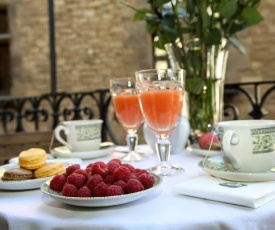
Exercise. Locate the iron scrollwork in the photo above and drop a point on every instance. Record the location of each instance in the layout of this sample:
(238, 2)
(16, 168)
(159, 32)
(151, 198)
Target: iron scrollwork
(54, 108)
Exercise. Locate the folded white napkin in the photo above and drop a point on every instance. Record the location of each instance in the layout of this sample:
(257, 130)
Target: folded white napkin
(251, 195)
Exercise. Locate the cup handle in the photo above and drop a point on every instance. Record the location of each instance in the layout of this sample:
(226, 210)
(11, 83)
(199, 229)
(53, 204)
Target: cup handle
(230, 138)
(57, 131)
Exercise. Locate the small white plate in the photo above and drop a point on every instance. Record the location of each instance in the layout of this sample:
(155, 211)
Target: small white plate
(99, 201)
(22, 184)
(216, 167)
(194, 148)
(65, 152)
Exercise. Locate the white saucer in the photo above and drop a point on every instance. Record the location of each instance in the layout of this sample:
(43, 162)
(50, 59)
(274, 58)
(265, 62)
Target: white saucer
(65, 152)
(194, 148)
(99, 201)
(216, 167)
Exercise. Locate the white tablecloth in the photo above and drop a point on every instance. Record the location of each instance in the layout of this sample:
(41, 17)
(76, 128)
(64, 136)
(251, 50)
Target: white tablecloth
(162, 209)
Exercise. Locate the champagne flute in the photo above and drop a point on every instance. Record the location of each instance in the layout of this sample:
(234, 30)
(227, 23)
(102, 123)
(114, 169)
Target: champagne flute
(128, 112)
(161, 93)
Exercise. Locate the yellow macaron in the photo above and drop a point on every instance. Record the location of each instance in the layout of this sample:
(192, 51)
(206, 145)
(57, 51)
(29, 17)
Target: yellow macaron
(49, 170)
(32, 158)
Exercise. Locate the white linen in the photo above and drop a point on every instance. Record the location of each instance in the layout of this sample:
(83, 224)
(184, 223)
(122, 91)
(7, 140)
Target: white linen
(251, 195)
(163, 209)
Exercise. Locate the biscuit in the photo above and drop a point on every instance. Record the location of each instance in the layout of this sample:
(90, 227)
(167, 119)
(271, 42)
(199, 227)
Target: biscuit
(49, 170)
(17, 174)
(32, 159)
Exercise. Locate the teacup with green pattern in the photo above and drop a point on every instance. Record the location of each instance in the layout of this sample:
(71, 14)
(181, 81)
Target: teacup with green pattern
(248, 145)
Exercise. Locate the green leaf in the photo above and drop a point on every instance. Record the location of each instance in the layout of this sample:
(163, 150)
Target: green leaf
(171, 33)
(140, 15)
(251, 15)
(168, 20)
(213, 37)
(151, 29)
(194, 61)
(152, 20)
(229, 8)
(194, 85)
(159, 3)
(233, 40)
(235, 27)
(160, 42)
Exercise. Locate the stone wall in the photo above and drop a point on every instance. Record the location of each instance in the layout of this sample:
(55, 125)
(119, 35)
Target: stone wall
(97, 40)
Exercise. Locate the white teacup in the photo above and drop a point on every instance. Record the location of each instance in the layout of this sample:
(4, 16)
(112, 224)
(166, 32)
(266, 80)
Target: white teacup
(81, 135)
(248, 145)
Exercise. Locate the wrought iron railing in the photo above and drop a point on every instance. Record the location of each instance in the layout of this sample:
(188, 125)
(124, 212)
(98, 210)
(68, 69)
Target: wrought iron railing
(257, 96)
(46, 111)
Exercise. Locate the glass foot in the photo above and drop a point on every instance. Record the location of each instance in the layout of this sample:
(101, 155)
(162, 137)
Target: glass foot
(166, 170)
(132, 157)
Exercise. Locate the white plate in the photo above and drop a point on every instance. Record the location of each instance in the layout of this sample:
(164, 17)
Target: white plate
(99, 201)
(194, 148)
(65, 152)
(215, 166)
(22, 184)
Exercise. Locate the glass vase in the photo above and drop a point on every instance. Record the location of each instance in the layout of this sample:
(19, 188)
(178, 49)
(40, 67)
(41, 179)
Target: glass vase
(204, 109)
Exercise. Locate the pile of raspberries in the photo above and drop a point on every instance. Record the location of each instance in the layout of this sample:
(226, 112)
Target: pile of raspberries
(101, 179)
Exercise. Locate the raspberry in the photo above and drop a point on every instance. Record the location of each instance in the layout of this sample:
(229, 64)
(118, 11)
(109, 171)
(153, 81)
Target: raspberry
(82, 172)
(100, 189)
(146, 180)
(122, 184)
(89, 171)
(65, 175)
(77, 179)
(58, 182)
(116, 160)
(65, 184)
(100, 168)
(112, 166)
(114, 190)
(122, 173)
(134, 176)
(90, 165)
(93, 181)
(140, 171)
(130, 167)
(84, 192)
(134, 185)
(69, 190)
(70, 169)
(109, 179)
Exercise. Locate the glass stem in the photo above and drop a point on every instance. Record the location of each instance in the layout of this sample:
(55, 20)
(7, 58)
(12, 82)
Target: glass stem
(163, 148)
(132, 141)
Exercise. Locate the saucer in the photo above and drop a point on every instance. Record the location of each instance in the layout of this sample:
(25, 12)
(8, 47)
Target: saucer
(216, 167)
(194, 148)
(65, 152)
